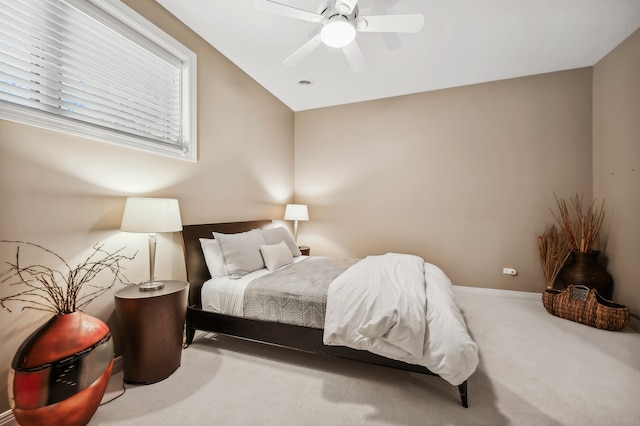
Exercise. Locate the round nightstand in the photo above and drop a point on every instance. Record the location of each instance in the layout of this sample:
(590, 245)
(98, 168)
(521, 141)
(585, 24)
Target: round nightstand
(152, 327)
(304, 250)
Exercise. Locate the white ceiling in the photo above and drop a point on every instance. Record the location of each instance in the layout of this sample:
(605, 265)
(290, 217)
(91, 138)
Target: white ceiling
(462, 42)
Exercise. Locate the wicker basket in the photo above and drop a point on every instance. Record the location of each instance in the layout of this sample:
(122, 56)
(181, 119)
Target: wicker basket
(581, 304)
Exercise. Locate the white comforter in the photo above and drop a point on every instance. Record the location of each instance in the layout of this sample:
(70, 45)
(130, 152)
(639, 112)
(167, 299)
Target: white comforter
(400, 307)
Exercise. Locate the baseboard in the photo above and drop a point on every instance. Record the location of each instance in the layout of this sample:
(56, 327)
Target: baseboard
(496, 292)
(117, 364)
(7, 418)
(634, 323)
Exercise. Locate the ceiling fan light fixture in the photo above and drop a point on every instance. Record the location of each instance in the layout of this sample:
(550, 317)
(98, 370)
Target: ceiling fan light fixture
(338, 33)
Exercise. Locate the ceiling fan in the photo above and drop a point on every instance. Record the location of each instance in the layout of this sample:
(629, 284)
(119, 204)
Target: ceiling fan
(341, 22)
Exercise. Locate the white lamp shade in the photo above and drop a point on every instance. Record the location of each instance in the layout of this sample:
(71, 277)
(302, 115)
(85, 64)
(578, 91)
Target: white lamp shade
(151, 215)
(296, 212)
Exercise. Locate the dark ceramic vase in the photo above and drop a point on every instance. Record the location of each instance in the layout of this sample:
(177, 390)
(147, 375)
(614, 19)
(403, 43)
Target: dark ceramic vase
(61, 371)
(584, 269)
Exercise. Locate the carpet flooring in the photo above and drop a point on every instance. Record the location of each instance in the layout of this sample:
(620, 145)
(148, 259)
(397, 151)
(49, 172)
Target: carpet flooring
(535, 369)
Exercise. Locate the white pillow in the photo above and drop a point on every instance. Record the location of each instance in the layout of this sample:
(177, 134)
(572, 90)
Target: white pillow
(275, 235)
(213, 257)
(241, 252)
(276, 255)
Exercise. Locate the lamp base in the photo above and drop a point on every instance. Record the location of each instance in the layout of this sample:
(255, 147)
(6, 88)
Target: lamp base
(156, 285)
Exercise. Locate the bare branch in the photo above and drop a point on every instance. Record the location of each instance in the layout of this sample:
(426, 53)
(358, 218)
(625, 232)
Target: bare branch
(52, 290)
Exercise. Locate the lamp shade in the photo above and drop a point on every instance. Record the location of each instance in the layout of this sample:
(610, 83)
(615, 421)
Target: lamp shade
(338, 33)
(151, 215)
(296, 212)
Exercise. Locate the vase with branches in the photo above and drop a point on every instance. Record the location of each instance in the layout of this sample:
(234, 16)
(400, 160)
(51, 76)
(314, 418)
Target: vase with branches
(60, 372)
(580, 223)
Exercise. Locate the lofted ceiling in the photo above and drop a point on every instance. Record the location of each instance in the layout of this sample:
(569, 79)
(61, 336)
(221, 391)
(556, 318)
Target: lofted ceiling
(462, 42)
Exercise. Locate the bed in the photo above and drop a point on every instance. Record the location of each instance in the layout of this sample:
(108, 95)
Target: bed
(309, 338)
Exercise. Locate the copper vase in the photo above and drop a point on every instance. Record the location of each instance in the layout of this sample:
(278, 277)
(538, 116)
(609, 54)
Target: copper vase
(61, 371)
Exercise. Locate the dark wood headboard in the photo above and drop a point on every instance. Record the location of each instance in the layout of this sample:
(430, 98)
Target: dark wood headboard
(197, 271)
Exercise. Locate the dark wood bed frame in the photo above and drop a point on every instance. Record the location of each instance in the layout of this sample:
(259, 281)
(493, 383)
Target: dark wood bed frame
(290, 336)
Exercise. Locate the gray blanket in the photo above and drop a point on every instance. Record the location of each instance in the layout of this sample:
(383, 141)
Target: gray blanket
(296, 294)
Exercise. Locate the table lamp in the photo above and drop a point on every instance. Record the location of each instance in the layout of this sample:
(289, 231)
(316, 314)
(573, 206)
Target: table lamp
(296, 212)
(151, 215)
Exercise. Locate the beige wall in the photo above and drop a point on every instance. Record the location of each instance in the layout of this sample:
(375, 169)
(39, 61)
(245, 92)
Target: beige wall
(616, 164)
(68, 193)
(462, 177)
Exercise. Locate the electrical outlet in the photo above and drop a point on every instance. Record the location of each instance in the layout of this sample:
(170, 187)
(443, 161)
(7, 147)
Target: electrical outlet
(509, 271)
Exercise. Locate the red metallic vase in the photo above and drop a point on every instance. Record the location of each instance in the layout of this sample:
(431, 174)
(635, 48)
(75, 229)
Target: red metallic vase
(60, 373)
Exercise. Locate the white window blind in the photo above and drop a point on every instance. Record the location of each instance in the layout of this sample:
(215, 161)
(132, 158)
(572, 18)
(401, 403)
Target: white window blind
(98, 69)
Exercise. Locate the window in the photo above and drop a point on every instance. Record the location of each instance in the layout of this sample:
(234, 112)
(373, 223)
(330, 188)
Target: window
(97, 69)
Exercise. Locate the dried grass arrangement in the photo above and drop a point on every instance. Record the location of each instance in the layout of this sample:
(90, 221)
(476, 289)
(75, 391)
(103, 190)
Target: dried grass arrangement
(580, 226)
(554, 251)
(52, 290)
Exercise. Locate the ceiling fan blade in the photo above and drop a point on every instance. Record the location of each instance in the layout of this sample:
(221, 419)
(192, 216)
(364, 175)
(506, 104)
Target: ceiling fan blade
(303, 51)
(289, 11)
(390, 23)
(354, 56)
